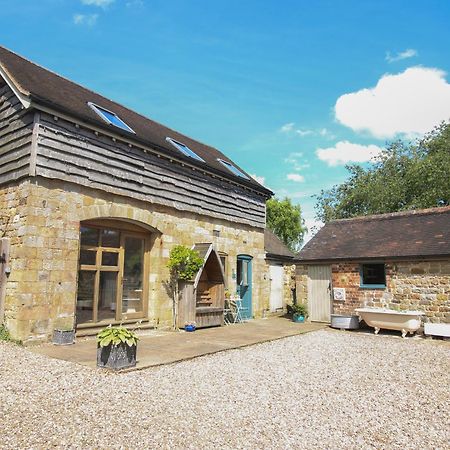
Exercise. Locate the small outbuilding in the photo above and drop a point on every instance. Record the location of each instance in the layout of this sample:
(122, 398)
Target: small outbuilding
(281, 272)
(399, 260)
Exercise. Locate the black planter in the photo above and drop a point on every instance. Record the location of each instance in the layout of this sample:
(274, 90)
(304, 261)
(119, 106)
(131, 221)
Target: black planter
(63, 337)
(116, 357)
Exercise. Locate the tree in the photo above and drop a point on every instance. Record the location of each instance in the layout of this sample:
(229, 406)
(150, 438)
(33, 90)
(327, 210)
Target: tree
(406, 176)
(285, 220)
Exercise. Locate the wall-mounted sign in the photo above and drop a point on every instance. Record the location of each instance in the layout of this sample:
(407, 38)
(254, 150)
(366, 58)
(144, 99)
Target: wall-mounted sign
(339, 294)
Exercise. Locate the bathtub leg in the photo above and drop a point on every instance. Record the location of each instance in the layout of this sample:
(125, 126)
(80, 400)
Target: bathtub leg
(404, 333)
(377, 330)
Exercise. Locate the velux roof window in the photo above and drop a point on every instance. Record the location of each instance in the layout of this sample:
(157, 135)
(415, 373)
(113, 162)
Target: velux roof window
(110, 117)
(184, 149)
(233, 169)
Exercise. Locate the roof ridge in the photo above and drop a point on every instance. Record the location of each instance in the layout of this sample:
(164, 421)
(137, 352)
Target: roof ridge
(172, 130)
(90, 90)
(395, 215)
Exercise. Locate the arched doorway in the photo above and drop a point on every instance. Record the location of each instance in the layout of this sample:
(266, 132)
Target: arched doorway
(113, 263)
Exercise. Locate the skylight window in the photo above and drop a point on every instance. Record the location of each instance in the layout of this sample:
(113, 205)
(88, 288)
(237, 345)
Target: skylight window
(110, 117)
(184, 149)
(233, 169)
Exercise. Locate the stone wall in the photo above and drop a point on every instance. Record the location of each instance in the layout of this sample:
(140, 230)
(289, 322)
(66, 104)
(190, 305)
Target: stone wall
(413, 285)
(44, 232)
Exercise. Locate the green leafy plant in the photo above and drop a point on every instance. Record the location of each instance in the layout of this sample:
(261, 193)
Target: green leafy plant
(4, 334)
(299, 309)
(183, 263)
(116, 336)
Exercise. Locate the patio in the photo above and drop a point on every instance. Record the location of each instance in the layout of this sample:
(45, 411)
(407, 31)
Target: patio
(157, 348)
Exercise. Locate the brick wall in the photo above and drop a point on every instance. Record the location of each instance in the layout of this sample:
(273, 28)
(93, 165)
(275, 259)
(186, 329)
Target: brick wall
(410, 285)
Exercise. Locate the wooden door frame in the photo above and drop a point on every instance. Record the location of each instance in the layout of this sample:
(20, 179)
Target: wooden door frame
(249, 259)
(330, 290)
(98, 268)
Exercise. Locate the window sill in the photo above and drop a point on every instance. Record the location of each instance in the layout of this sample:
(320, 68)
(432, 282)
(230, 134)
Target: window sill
(372, 286)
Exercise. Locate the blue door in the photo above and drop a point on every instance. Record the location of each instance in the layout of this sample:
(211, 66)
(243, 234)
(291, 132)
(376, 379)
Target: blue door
(244, 284)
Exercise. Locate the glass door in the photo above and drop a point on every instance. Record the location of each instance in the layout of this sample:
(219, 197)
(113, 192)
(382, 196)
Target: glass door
(111, 276)
(244, 284)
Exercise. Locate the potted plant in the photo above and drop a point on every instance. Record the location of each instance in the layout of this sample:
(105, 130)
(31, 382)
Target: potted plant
(116, 348)
(299, 312)
(63, 336)
(64, 332)
(183, 263)
(189, 326)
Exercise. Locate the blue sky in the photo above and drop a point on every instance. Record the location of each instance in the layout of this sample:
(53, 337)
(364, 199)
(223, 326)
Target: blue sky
(290, 90)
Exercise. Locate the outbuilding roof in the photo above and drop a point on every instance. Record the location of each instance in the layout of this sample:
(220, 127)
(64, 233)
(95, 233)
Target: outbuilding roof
(45, 88)
(274, 247)
(421, 233)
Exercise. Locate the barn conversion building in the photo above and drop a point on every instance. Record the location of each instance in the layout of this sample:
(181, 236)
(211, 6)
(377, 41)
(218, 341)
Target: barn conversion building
(93, 196)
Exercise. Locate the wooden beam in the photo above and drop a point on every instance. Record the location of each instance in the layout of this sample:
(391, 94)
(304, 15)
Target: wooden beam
(4, 272)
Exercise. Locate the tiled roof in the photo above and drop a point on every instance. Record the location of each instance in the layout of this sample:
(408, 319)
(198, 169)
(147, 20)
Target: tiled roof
(274, 247)
(46, 88)
(422, 233)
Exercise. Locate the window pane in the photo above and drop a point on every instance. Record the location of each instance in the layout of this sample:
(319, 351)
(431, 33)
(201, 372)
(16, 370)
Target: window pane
(88, 257)
(132, 299)
(223, 261)
(89, 236)
(373, 274)
(245, 273)
(110, 259)
(110, 238)
(85, 296)
(107, 296)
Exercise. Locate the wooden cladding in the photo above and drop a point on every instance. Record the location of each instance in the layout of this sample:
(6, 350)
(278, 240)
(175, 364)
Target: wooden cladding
(16, 127)
(73, 154)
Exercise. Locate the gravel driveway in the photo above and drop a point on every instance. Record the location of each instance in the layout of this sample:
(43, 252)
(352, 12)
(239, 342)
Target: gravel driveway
(326, 389)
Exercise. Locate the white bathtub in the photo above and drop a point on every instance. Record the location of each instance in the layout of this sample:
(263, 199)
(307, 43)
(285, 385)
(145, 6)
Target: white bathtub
(389, 319)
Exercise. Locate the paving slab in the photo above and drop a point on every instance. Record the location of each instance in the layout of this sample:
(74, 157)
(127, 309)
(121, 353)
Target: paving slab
(156, 348)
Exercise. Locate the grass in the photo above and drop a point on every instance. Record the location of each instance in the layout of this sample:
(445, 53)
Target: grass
(6, 336)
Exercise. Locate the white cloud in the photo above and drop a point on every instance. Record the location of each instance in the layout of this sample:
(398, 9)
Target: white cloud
(293, 160)
(85, 19)
(408, 53)
(286, 128)
(304, 132)
(409, 103)
(290, 128)
(260, 180)
(295, 177)
(100, 3)
(344, 152)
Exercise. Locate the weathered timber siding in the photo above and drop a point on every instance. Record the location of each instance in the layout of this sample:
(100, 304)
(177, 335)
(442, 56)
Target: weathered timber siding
(16, 127)
(78, 155)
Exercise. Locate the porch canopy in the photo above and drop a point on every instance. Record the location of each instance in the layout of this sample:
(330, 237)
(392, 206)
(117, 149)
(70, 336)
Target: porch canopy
(203, 300)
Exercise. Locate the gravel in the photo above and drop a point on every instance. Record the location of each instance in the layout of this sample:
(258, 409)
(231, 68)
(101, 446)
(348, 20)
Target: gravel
(326, 389)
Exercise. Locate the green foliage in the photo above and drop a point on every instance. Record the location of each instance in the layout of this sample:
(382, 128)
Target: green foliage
(184, 262)
(406, 176)
(285, 220)
(116, 336)
(299, 309)
(4, 334)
